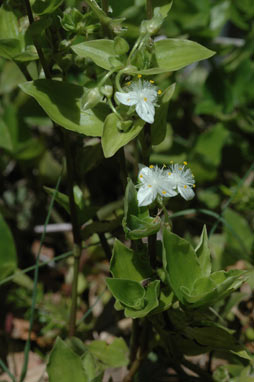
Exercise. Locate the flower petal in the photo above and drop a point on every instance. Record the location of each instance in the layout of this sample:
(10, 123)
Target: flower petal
(146, 195)
(145, 111)
(166, 190)
(186, 192)
(128, 99)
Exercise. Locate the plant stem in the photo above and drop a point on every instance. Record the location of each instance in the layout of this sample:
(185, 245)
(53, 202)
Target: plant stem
(37, 46)
(138, 353)
(149, 9)
(104, 5)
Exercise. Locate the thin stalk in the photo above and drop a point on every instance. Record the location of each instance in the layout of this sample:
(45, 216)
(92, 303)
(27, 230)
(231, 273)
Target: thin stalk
(149, 9)
(24, 70)
(29, 269)
(140, 353)
(134, 342)
(7, 371)
(36, 276)
(152, 249)
(37, 46)
(89, 311)
(104, 5)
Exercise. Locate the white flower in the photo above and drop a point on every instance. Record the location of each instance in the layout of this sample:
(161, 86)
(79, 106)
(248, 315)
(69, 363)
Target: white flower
(153, 182)
(182, 180)
(143, 94)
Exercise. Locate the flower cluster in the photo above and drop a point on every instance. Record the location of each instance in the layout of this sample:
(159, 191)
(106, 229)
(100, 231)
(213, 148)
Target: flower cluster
(143, 95)
(166, 182)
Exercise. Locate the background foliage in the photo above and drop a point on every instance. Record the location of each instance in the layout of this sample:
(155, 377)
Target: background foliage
(206, 118)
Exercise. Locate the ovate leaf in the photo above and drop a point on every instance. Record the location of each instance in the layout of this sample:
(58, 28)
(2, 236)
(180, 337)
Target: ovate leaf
(130, 293)
(113, 139)
(61, 101)
(180, 263)
(111, 355)
(158, 128)
(102, 52)
(64, 365)
(151, 301)
(127, 264)
(203, 253)
(174, 54)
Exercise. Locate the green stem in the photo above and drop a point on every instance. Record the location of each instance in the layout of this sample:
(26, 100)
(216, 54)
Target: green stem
(135, 46)
(7, 371)
(149, 9)
(37, 46)
(104, 5)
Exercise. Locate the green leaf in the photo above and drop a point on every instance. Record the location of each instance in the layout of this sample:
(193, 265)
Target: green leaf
(61, 101)
(8, 257)
(128, 292)
(164, 7)
(64, 364)
(158, 128)
(208, 290)
(165, 300)
(203, 253)
(113, 139)
(112, 355)
(42, 7)
(239, 236)
(61, 199)
(151, 301)
(137, 222)
(102, 53)
(129, 265)
(174, 54)
(180, 262)
(5, 137)
(207, 152)
(9, 48)
(216, 338)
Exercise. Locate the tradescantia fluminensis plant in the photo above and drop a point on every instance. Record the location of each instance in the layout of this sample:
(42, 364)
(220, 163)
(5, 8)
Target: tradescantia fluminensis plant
(158, 279)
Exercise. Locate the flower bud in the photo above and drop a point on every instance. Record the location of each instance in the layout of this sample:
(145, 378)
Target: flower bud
(107, 90)
(91, 99)
(121, 46)
(124, 126)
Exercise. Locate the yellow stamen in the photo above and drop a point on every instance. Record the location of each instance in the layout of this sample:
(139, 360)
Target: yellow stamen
(151, 166)
(180, 168)
(149, 185)
(128, 99)
(151, 81)
(185, 186)
(164, 192)
(139, 75)
(159, 92)
(141, 176)
(185, 163)
(194, 186)
(128, 83)
(169, 173)
(145, 99)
